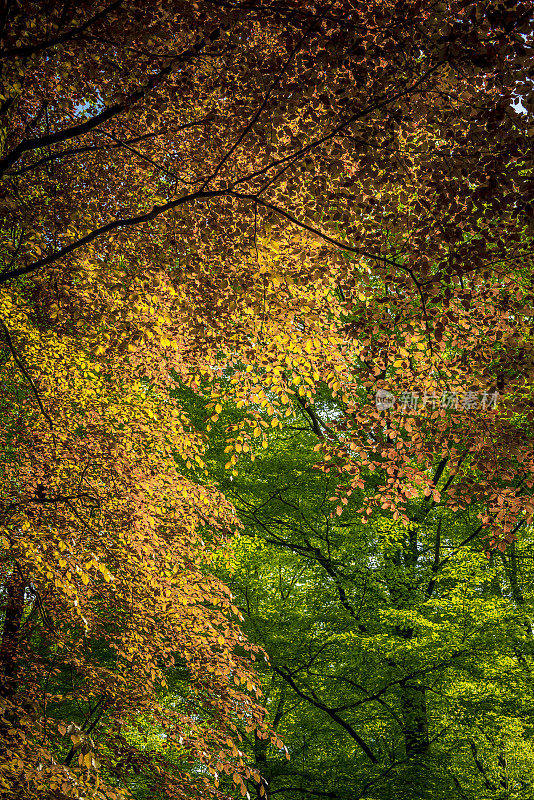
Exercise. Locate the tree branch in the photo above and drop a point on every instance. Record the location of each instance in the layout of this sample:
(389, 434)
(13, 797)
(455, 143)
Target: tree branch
(25, 372)
(255, 198)
(110, 226)
(93, 122)
(330, 712)
(27, 50)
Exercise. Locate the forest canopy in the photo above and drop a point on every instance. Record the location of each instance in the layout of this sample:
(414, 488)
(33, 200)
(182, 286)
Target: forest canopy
(267, 479)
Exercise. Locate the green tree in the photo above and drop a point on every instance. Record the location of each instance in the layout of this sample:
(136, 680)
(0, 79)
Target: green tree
(401, 657)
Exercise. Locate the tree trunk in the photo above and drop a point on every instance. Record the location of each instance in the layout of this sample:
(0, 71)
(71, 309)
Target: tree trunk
(412, 695)
(260, 757)
(414, 713)
(10, 637)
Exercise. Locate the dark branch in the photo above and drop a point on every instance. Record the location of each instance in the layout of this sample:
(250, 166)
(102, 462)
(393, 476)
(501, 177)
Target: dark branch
(30, 49)
(108, 228)
(26, 374)
(330, 712)
(112, 111)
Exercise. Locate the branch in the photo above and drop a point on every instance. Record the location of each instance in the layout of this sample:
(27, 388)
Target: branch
(110, 226)
(28, 49)
(436, 562)
(26, 374)
(480, 767)
(316, 232)
(75, 747)
(142, 156)
(112, 111)
(316, 426)
(92, 148)
(380, 104)
(257, 115)
(459, 788)
(305, 791)
(331, 713)
(439, 471)
(400, 682)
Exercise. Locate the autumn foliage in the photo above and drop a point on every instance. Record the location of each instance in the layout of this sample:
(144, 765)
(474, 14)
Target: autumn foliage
(111, 580)
(312, 197)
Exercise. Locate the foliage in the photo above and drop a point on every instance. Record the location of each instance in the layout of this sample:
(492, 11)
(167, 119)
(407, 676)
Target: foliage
(118, 642)
(277, 203)
(400, 658)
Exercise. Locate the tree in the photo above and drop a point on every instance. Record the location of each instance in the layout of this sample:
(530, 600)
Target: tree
(118, 648)
(400, 658)
(180, 185)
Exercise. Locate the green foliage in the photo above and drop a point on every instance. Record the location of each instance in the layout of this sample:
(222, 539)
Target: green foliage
(400, 657)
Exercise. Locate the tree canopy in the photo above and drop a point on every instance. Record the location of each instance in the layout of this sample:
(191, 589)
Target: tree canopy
(400, 656)
(217, 216)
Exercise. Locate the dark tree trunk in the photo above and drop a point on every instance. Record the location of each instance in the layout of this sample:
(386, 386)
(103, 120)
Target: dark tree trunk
(401, 586)
(414, 713)
(10, 637)
(260, 757)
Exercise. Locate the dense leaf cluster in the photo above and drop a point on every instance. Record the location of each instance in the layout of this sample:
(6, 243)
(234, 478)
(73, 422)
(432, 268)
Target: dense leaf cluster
(223, 223)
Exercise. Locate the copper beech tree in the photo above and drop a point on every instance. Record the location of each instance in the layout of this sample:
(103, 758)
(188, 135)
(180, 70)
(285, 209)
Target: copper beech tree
(332, 196)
